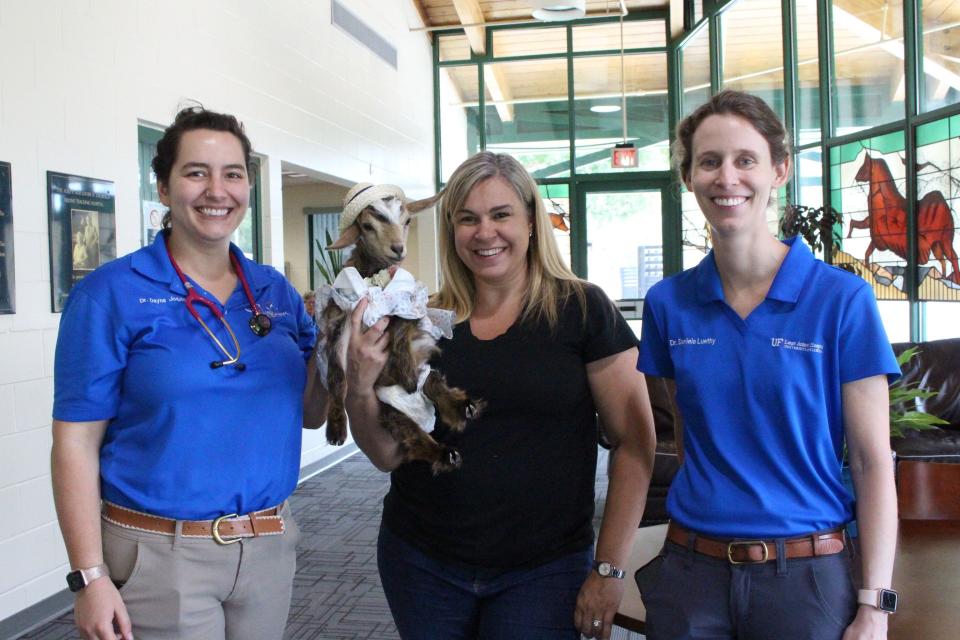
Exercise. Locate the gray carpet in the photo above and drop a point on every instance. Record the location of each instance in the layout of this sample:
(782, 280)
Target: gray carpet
(336, 592)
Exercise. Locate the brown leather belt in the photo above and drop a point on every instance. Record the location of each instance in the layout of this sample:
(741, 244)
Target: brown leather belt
(757, 551)
(226, 529)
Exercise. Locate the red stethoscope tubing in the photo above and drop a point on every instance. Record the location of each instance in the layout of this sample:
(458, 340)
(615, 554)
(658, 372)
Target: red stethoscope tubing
(193, 296)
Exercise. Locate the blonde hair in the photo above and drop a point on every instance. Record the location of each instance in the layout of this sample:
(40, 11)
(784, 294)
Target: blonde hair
(549, 281)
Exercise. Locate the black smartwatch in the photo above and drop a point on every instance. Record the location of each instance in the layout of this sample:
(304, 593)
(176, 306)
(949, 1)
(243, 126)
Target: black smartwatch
(77, 580)
(883, 599)
(607, 569)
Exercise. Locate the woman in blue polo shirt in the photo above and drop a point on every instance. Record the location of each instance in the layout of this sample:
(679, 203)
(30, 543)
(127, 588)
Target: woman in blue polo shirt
(779, 359)
(179, 378)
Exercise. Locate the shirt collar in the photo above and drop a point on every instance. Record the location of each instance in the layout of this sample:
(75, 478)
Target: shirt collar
(154, 263)
(786, 285)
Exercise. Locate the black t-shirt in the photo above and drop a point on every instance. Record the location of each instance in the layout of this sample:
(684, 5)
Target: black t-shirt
(524, 495)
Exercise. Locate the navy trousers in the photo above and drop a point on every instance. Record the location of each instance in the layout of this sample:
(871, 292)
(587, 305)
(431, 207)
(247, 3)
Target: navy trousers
(433, 600)
(692, 596)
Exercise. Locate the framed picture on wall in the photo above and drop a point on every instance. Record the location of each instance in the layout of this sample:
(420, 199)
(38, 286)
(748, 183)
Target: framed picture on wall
(82, 221)
(7, 281)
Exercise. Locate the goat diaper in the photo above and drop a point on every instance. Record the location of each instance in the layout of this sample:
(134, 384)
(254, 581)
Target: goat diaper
(417, 406)
(403, 297)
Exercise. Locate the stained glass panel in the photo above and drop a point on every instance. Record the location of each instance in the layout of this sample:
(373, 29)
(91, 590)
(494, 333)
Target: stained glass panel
(867, 182)
(938, 203)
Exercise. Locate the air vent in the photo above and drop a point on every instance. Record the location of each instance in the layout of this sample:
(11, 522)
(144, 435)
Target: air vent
(359, 31)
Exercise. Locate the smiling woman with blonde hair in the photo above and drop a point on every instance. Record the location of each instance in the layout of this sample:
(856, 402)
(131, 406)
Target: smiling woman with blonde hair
(502, 548)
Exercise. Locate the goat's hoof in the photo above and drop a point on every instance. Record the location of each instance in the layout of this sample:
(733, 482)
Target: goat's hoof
(474, 408)
(450, 460)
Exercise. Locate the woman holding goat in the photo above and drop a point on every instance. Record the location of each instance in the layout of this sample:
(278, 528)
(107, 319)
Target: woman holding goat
(502, 547)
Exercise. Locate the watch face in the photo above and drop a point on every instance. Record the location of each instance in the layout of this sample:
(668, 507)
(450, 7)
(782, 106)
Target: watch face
(888, 600)
(604, 569)
(75, 581)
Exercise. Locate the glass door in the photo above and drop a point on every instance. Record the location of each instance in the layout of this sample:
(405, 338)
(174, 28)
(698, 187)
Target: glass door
(624, 249)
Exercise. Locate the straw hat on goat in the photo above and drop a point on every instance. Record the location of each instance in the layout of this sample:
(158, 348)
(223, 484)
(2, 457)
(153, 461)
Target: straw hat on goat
(362, 195)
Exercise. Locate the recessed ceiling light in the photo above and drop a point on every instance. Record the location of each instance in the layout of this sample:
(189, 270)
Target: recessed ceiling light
(605, 108)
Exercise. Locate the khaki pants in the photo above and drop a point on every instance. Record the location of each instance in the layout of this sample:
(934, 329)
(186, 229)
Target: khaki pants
(180, 588)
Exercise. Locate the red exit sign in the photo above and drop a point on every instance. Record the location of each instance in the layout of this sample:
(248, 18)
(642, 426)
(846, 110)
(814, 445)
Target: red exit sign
(624, 156)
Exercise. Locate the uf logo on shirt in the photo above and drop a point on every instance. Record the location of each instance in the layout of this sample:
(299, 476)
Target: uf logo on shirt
(776, 342)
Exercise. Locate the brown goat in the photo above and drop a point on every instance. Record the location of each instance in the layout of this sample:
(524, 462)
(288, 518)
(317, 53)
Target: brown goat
(377, 225)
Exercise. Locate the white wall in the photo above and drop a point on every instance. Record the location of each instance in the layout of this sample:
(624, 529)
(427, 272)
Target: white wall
(76, 78)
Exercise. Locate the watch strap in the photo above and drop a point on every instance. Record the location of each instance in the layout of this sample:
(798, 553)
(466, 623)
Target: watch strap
(875, 598)
(80, 578)
(608, 569)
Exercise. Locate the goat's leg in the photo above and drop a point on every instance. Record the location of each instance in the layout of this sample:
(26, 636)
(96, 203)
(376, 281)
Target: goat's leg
(401, 367)
(416, 443)
(337, 414)
(334, 322)
(453, 404)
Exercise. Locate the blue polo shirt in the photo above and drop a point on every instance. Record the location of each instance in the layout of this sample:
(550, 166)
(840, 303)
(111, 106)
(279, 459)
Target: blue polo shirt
(184, 441)
(761, 398)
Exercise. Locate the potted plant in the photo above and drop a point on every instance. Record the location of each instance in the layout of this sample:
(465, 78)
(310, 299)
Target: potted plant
(329, 261)
(820, 227)
(906, 413)
(906, 402)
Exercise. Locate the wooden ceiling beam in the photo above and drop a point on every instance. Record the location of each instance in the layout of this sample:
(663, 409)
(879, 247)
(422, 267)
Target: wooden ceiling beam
(424, 18)
(469, 12)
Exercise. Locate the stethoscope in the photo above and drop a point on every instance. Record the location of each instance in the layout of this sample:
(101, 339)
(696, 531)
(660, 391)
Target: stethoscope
(259, 322)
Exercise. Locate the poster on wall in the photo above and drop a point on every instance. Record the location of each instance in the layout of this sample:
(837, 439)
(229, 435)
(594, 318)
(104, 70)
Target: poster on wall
(7, 300)
(82, 213)
(151, 221)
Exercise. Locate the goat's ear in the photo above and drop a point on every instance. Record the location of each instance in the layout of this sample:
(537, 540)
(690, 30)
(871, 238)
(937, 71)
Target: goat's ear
(347, 238)
(416, 206)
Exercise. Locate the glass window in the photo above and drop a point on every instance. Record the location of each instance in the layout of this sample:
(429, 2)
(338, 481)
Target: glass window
(752, 46)
(556, 198)
(599, 120)
(151, 209)
(938, 204)
(695, 71)
(895, 316)
(459, 116)
(637, 34)
(624, 242)
(694, 231)
(527, 114)
(454, 47)
(867, 180)
(868, 83)
(529, 42)
(940, 63)
(808, 73)
(940, 320)
(809, 187)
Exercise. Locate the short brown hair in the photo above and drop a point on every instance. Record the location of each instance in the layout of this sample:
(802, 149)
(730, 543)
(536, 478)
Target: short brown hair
(737, 103)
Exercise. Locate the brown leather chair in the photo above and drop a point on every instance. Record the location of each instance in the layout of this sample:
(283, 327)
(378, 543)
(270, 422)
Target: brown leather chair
(928, 490)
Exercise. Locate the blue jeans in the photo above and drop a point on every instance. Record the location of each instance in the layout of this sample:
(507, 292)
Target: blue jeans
(434, 600)
(692, 596)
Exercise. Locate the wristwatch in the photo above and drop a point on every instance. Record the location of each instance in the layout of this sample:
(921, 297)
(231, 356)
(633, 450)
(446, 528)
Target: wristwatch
(607, 569)
(883, 599)
(80, 578)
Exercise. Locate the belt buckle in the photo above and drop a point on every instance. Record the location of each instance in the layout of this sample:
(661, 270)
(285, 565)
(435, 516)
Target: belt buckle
(747, 543)
(216, 530)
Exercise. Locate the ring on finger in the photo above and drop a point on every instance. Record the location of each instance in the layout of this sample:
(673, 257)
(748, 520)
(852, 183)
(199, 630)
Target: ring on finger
(597, 623)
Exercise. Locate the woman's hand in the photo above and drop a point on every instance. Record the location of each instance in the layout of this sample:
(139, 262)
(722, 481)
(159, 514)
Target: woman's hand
(100, 613)
(598, 599)
(366, 356)
(366, 353)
